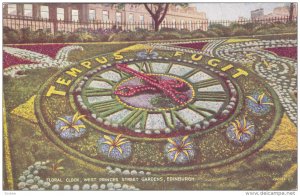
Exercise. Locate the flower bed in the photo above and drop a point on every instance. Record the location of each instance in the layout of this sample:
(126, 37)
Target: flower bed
(193, 45)
(47, 49)
(289, 52)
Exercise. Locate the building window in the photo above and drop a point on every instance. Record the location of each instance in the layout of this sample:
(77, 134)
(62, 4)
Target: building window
(105, 15)
(174, 23)
(130, 18)
(92, 14)
(60, 14)
(142, 19)
(182, 24)
(28, 10)
(75, 15)
(45, 12)
(12, 9)
(118, 17)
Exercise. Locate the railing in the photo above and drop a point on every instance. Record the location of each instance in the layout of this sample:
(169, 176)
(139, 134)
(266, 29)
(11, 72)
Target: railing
(15, 22)
(266, 20)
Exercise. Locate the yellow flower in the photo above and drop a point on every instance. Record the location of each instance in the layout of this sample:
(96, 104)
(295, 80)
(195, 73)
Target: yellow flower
(115, 143)
(72, 124)
(149, 50)
(240, 129)
(182, 147)
(259, 99)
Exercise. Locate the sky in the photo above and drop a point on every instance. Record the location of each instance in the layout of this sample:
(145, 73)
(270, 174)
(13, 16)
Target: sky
(231, 11)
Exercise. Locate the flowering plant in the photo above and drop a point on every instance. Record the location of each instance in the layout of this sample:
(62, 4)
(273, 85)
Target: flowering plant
(115, 147)
(259, 104)
(240, 131)
(179, 150)
(70, 127)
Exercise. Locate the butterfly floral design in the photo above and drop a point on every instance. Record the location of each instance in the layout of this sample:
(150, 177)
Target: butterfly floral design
(39, 60)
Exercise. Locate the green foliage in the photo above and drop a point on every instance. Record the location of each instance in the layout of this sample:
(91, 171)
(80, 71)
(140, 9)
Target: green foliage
(161, 101)
(11, 35)
(239, 31)
(26, 35)
(120, 37)
(86, 37)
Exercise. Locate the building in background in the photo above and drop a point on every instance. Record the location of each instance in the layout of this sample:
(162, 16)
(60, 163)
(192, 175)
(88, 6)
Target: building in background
(130, 17)
(257, 13)
(278, 12)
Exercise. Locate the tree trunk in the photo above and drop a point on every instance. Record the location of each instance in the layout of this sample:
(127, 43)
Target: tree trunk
(156, 26)
(158, 15)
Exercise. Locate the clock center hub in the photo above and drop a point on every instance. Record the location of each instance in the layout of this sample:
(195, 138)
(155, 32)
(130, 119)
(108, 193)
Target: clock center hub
(173, 92)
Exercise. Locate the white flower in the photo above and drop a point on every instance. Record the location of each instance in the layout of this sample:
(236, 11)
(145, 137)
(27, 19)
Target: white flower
(40, 60)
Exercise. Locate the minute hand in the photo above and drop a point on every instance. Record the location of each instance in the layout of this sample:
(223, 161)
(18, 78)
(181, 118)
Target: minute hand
(168, 90)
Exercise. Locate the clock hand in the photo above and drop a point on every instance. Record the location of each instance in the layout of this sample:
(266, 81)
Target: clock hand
(168, 86)
(128, 91)
(173, 83)
(125, 68)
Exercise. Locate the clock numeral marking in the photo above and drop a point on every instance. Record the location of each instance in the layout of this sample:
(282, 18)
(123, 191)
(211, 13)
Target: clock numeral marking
(139, 65)
(99, 78)
(169, 122)
(144, 119)
(206, 83)
(202, 111)
(135, 117)
(122, 74)
(189, 74)
(107, 108)
(218, 96)
(175, 115)
(97, 92)
(147, 68)
(169, 68)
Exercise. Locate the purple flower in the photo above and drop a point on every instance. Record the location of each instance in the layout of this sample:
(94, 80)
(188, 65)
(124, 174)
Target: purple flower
(70, 127)
(147, 54)
(114, 147)
(259, 104)
(240, 131)
(180, 150)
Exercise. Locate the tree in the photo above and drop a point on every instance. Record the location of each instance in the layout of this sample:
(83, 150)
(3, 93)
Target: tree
(158, 11)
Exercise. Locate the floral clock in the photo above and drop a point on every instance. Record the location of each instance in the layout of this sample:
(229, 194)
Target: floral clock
(157, 111)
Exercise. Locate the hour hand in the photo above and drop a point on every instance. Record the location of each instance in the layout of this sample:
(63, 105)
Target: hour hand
(128, 91)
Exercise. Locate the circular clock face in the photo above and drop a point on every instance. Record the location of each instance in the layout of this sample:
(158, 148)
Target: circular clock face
(160, 111)
(125, 101)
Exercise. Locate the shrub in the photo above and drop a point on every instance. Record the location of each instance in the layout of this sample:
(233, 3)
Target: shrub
(73, 37)
(11, 35)
(86, 37)
(171, 35)
(211, 33)
(140, 35)
(220, 30)
(198, 35)
(42, 35)
(186, 36)
(101, 37)
(165, 29)
(122, 36)
(60, 37)
(240, 31)
(26, 35)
